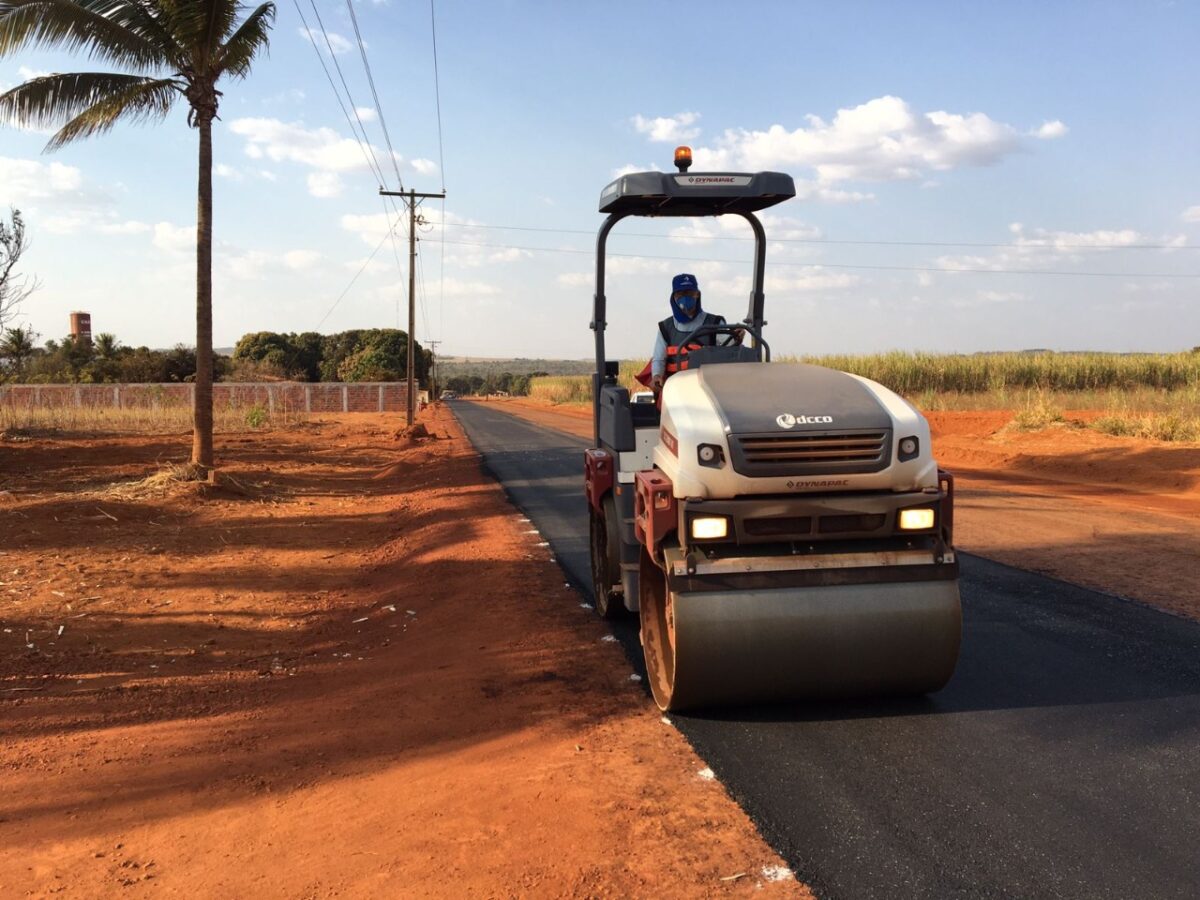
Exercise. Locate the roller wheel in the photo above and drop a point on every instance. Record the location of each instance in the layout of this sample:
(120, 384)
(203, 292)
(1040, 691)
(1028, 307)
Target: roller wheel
(606, 561)
(657, 631)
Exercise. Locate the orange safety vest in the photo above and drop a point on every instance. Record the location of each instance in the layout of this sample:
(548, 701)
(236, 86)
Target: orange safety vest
(678, 346)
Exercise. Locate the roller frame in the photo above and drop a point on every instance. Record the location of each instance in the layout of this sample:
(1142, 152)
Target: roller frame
(798, 612)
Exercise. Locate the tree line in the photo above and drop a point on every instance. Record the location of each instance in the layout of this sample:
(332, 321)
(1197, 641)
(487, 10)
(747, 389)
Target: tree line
(506, 382)
(372, 354)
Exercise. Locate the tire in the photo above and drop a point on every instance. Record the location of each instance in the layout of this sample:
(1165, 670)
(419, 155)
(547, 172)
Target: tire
(606, 561)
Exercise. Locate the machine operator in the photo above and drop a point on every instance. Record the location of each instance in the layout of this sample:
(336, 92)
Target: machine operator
(673, 331)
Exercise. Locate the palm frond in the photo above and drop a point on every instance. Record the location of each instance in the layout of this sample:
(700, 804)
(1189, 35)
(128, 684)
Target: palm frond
(200, 28)
(150, 98)
(116, 31)
(245, 43)
(55, 99)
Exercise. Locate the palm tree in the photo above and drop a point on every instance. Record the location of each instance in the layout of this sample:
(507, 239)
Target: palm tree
(168, 49)
(106, 346)
(17, 346)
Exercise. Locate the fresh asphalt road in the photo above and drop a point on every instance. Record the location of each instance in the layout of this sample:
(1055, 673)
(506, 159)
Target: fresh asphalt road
(1062, 760)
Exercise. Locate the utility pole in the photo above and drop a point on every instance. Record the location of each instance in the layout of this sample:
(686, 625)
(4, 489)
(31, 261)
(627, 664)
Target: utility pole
(411, 196)
(433, 390)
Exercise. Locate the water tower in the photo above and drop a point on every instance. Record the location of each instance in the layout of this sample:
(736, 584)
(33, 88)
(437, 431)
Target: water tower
(81, 327)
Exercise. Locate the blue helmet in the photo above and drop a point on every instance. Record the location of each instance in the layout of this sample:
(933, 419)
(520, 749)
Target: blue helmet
(685, 297)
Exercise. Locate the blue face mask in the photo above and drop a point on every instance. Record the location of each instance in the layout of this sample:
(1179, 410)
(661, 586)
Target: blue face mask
(685, 306)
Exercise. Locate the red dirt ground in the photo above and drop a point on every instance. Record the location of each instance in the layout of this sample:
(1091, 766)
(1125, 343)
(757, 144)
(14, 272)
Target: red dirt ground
(1120, 515)
(349, 670)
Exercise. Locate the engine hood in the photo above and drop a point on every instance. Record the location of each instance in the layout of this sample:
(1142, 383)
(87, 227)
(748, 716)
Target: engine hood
(765, 398)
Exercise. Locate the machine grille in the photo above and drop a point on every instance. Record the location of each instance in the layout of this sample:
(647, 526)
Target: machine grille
(811, 453)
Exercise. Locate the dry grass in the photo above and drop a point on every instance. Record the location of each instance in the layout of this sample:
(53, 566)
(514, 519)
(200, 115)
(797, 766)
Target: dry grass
(912, 374)
(1152, 427)
(1038, 415)
(164, 482)
(1154, 396)
(162, 419)
(559, 389)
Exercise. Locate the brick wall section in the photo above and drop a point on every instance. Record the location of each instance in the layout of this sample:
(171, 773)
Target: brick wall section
(282, 395)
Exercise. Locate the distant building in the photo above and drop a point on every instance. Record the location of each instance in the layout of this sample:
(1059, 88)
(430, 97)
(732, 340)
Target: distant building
(81, 327)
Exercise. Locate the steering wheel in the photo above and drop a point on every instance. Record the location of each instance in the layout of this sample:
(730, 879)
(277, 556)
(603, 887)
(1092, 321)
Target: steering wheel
(732, 330)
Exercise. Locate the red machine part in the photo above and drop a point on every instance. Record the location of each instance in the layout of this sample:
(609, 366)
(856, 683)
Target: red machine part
(597, 476)
(654, 512)
(946, 512)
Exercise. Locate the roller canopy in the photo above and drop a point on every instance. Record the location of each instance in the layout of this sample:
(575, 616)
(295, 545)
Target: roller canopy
(695, 193)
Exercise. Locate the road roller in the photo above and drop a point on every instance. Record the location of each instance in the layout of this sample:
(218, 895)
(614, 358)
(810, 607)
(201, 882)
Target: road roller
(781, 530)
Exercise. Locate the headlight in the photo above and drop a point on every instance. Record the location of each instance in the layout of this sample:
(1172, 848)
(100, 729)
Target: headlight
(710, 455)
(710, 528)
(916, 519)
(909, 448)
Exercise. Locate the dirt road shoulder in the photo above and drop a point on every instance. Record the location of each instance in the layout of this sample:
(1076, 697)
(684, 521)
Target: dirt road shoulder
(352, 671)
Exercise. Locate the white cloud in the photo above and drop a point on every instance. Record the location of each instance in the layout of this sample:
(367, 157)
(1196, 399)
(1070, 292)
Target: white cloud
(638, 265)
(324, 184)
(457, 287)
(130, 227)
(884, 139)
(783, 281)
(338, 43)
(1146, 287)
(234, 173)
(509, 254)
(576, 279)
(778, 228)
(815, 190)
(291, 95)
(366, 113)
(247, 265)
(1065, 241)
(23, 181)
(368, 266)
(668, 129)
(323, 149)
(59, 199)
(810, 278)
(1041, 248)
(301, 259)
(371, 228)
(1048, 131)
(27, 74)
(1191, 215)
(1001, 296)
(319, 148)
(174, 238)
(630, 168)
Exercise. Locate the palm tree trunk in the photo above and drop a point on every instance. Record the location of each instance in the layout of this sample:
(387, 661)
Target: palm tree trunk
(202, 410)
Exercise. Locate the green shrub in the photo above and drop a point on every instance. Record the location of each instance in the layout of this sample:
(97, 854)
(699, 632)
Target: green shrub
(257, 416)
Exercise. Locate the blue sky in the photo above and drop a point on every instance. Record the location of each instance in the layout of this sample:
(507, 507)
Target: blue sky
(1062, 137)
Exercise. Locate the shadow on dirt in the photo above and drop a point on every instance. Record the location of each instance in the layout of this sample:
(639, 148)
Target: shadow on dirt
(218, 672)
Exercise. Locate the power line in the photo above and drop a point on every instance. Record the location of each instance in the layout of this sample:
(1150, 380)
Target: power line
(825, 265)
(421, 291)
(349, 96)
(362, 268)
(437, 93)
(365, 147)
(730, 237)
(363, 142)
(362, 50)
(442, 274)
(395, 252)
